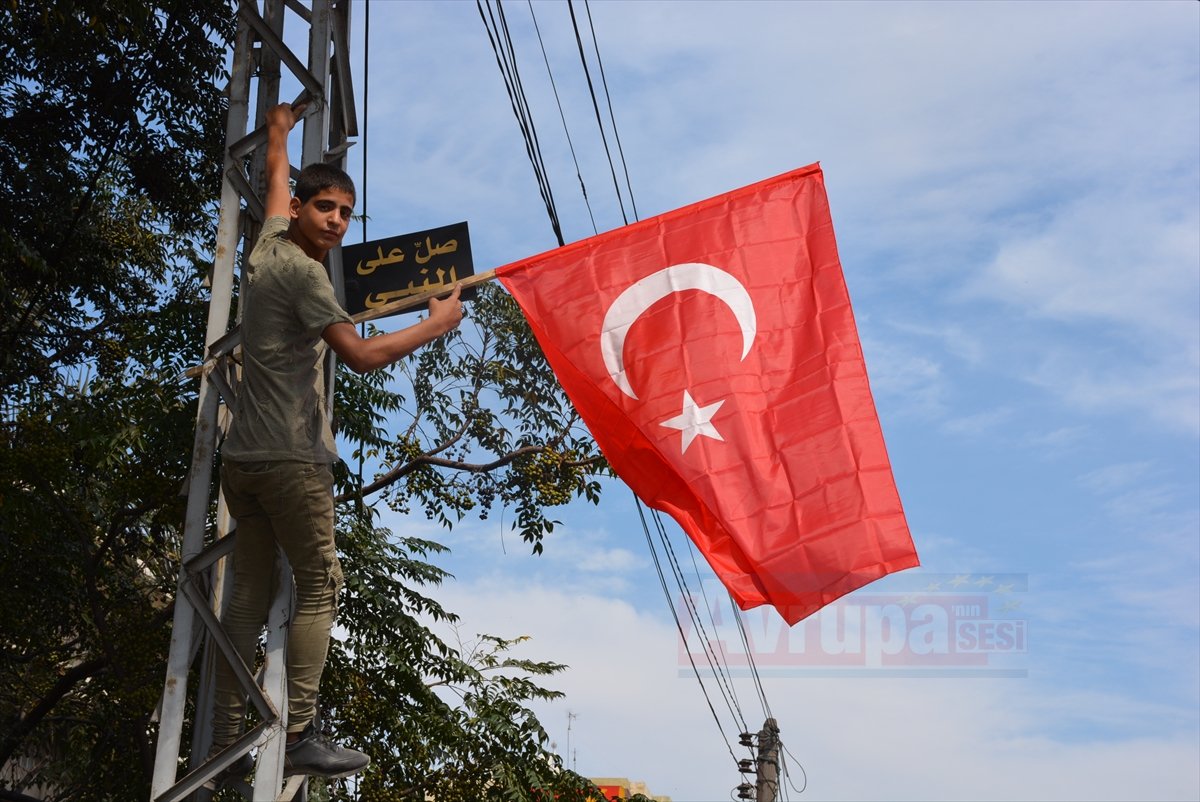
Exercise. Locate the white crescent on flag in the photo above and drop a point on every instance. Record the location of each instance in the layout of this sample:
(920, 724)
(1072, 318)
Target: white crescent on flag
(644, 293)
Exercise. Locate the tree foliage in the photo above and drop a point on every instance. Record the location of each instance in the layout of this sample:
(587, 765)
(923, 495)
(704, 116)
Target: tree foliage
(110, 130)
(487, 424)
(111, 120)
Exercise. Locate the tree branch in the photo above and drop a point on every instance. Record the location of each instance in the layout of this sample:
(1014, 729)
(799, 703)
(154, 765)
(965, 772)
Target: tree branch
(400, 471)
(66, 682)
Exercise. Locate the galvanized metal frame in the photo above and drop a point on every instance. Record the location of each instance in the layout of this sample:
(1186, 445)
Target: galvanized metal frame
(259, 51)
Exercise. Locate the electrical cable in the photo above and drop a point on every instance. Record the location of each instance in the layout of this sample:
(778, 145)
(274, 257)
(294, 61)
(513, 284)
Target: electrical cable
(525, 120)
(537, 148)
(698, 628)
(612, 117)
(570, 144)
(723, 675)
(723, 683)
(788, 774)
(366, 118)
(502, 46)
(709, 607)
(596, 105)
(506, 62)
(679, 626)
(762, 695)
(366, 106)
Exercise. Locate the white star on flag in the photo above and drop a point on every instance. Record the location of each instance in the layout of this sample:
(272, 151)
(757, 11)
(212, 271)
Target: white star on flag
(694, 421)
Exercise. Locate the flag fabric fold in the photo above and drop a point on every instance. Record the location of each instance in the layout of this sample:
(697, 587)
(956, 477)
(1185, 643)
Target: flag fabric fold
(712, 353)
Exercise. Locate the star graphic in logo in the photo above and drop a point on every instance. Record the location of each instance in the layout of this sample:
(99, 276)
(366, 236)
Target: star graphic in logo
(694, 421)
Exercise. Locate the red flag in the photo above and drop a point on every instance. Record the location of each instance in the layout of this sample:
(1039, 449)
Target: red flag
(713, 355)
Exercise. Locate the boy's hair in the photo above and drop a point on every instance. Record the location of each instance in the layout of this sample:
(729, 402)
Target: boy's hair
(318, 176)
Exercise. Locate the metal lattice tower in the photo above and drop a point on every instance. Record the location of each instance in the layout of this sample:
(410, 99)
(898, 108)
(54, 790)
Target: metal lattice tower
(258, 57)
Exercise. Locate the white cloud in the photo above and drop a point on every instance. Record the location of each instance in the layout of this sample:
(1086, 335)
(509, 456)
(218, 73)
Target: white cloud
(977, 424)
(1163, 387)
(1139, 573)
(1129, 266)
(952, 337)
(908, 381)
(1122, 261)
(1114, 477)
(1057, 442)
(961, 739)
(1035, 162)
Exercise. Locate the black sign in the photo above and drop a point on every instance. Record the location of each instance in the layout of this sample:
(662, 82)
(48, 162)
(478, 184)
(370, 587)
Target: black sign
(385, 270)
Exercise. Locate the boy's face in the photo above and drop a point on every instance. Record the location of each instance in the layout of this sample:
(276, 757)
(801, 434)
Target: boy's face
(320, 224)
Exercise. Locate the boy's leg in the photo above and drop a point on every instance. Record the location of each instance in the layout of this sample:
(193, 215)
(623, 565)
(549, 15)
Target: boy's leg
(302, 519)
(253, 574)
(298, 500)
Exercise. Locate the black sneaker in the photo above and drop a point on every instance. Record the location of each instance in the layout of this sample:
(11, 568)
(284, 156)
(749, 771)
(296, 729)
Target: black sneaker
(237, 771)
(318, 756)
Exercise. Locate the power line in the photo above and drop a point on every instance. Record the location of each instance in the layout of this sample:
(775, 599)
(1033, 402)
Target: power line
(563, 116)
(501, 41)
(723, 683)
(788, 774)
(612, 117)
(679, 626)
(362, 458)
(366, 106)
(596, 105)
(531, 134)
(709, 607)
(502, 47)
(762, 696)
(719, 667)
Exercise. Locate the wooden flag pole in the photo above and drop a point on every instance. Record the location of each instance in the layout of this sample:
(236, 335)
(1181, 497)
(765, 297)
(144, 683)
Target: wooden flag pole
(417, 300)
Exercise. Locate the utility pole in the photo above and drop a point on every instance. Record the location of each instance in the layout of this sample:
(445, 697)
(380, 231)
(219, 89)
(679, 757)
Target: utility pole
(259, 52)
(768, 761)
(570, 719)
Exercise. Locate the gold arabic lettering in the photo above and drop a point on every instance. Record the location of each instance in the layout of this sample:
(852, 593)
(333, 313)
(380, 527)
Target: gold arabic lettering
(445, 281)
(395, 255)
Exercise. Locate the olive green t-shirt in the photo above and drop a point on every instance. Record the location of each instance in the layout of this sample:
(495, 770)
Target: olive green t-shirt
(287, 301)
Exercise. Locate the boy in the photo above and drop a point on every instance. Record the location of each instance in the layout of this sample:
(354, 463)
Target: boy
(276, 462)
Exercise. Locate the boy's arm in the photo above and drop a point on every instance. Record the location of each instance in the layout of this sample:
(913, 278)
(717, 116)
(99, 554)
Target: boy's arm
(363, 355)
(280, 121)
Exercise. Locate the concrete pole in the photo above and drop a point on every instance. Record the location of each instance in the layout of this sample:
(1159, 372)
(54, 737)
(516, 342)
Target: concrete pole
(768, 762)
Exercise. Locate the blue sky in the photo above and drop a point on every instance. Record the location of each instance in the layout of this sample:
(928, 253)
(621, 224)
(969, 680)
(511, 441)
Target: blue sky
(1016, 193)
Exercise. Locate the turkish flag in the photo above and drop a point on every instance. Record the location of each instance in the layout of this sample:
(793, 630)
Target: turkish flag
(712, 353)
